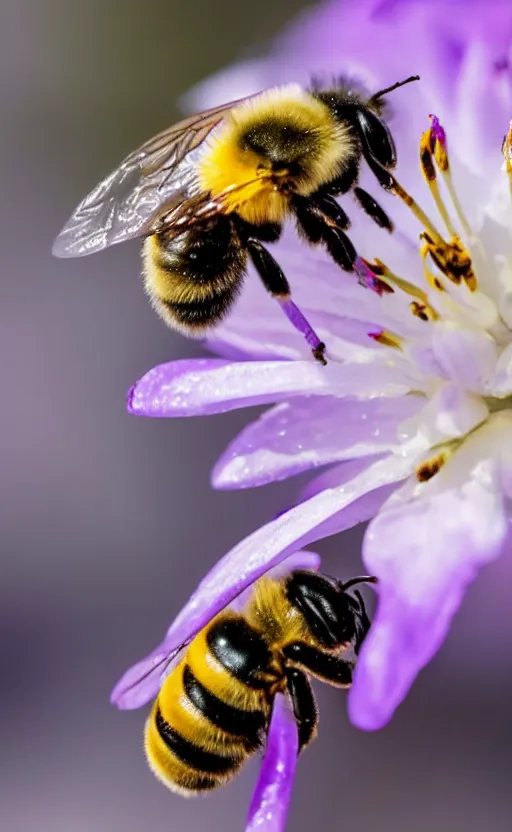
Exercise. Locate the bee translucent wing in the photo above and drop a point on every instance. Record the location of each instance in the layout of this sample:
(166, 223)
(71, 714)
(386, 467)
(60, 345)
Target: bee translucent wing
(149, 184)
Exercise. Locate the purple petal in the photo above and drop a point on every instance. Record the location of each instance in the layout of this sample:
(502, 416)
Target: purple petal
(249, 560)
(202, 386)
(269, 805)
(142, 681)
(425, 553)
(307, 433)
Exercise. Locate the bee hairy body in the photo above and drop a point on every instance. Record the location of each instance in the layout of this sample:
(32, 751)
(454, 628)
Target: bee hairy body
(214, 707)
(192, 280)
(204, 192)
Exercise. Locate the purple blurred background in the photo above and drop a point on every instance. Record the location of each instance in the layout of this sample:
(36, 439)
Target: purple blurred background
(108, 521)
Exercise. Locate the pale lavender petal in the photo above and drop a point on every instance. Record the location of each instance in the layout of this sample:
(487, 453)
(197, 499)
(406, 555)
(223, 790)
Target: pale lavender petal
(251, 558)
(307, 433)
(142, 681)
(425, 553)
(192, 387)
(271, 798)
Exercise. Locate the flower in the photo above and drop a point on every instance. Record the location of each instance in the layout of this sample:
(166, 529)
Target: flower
(230, 583)
(413, 412)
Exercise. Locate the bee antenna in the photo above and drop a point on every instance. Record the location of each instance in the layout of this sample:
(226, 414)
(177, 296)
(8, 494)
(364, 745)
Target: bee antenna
(362, 579)
(381, 93)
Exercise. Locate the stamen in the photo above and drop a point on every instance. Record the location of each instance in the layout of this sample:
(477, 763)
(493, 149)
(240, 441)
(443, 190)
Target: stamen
(440, 150)
(506, 149)
(429, 172)
(411, 203)
(387, 338)
(379, 268)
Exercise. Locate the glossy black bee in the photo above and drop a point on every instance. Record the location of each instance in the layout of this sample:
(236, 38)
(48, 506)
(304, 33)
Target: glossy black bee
(214, 707)
(209, 192)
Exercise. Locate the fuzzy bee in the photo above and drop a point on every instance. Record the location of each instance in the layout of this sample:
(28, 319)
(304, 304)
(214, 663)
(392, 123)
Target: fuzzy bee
(209, 193)
(213, 709)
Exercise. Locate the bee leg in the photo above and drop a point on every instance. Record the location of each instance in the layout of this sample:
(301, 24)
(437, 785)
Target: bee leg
(371, 207)
(276, 283)
(330, 667)
(345, 181)
(304, 705)
(321, 220)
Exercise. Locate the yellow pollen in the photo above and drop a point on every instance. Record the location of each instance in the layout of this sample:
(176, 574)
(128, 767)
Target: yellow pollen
(452, 259)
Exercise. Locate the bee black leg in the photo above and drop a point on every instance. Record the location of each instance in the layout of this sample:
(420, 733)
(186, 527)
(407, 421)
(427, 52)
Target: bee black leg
(373, 209)
(321, 220)
(276, 283)
(330, 667)
(304, 705)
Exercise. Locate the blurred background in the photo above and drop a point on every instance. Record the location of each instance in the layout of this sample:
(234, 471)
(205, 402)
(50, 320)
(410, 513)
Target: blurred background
(108, 521)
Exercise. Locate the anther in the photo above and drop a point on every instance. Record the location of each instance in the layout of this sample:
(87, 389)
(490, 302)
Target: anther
(423, 311)
(427, 148)
(451, 259)
(440, 150)
(386, 338)
(438, 144)
(506, 149)
(430, 467)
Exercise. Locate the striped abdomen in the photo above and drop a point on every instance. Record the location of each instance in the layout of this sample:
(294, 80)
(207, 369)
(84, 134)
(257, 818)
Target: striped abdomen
(213, 708)
(192, 280)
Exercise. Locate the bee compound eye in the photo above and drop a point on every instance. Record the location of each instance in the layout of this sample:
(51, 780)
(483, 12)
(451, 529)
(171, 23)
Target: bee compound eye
(377, 138)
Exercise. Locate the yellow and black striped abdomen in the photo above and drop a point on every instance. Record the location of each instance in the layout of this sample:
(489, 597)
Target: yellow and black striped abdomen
(193, 279)
(213, 708)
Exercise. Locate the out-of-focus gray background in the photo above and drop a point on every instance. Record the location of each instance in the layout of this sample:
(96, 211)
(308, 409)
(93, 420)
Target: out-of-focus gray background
(108, 521)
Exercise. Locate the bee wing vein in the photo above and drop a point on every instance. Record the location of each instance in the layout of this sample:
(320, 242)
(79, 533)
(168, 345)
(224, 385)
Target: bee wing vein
(154, 187)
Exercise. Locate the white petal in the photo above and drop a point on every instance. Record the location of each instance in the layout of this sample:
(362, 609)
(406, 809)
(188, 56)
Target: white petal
(307, 433)
(467, 355)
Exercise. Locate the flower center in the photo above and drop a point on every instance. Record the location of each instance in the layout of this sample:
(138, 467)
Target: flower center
(466, 342)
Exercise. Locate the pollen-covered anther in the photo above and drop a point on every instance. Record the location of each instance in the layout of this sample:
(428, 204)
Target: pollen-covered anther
(387, 338)
(423, 311)
(506, 149)
(430, 467)
(452, 259)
